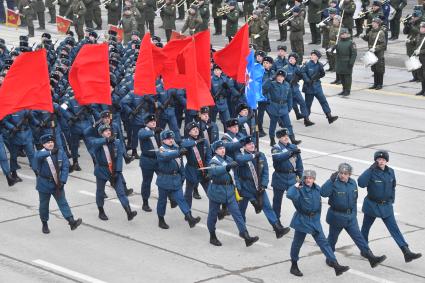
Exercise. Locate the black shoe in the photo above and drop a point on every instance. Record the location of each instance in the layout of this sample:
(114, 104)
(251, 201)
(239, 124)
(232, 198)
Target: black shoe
(336, 82)
(45, 228)
(420, 93)
(52, 22)
(378, 87)
(307, 122)
(128, 191)
(15, 176)
(293, 140)
(272, 141)
(161, 223)
(196, 194)
(280, 230)
(248, 239)
(311, 43)
(357, 34)
(298, 115)
(340, 93)
(373, 260)
(134, 154)
(128, 158)
(10, 180)
(262, 133)
(102, 214)
(330, 70)
(146, 206)
(76, 166)
(213, 240)
(130, 214)
(331, 118)
(408, 255)
(192, 220)
(339, 269)
(372, 87)
(346, 93)
(173, 203)
(295, 270)
(74, 223)
(413, 80)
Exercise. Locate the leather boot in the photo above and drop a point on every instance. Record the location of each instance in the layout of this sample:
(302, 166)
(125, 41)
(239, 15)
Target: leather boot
(262, 133)
(280, 230)
(375, 81)
(15, 176)
(380, 81)
(256, 206)
(196, 194)
(293, 140)
(272, 141)
(146, 206)
(307, 122)
(248, 239)
(223, 212)
(161, 223)
(102, 214)
(297, 112)
(130, 214)
(127, 191)
(408, 255)
(192, 220)
(128, 158)
(173, 203)
(331, 118)
(45, 228)
(295, 270)
(74, 223)
(135, 154)
(373, 260)
(213, 240)
(339, 269)
(75, 165)
(10, 180)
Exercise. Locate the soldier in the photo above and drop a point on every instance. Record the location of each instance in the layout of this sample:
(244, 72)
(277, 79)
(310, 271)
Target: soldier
(97, 14)
(51, 165)
(280, 10)
(268, 77)
(149, 13)
(198, 156)
(52, 11)
(280, 105)
(27, 10)
(330, 47)
(252, 180)
(360, 20)
(420, 51)
(348, 8)
(38, 7)
(380, 181)
(208, 129)
(313, 18)
(258, 30)
(245, 120)
(296, 37)
(376, 13)
(64, 7)
(4, 163)
(342, 192)
(77, 10)
(232, 138)
(411, 28)
(215, 6)
(232, 20)
(248, 8)
(312, 73)
(222, 192)
(128, 23)
(170, 179)
(377, 44)
(169, 18)
(346, 53)
(398, 5)
(306, 220)
(108, 152)
(193, 21)
(280, 61)
(114, 11)
(221, 88)
(88, 16)
(204, 13)
(325, 27)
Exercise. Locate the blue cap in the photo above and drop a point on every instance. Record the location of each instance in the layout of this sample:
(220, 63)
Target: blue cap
(166, 134)
(46, 138)
(217, 144)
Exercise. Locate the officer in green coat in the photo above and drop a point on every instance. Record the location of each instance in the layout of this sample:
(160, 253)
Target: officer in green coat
(38, 7)
(232, 20)
(420, 51)
(129, 24)
(149, 13)
(346, 54)
(411, 28)
(204, 12)
(313, 18)
(280, 9)
(296, 37)
(258, 30)
(248, 8)
(26, 9)
(348, 7)
(216, 4)
(77, 10)
(114, 11)
(52, 11)
(88, 17)
(398, 5)
(169, 18)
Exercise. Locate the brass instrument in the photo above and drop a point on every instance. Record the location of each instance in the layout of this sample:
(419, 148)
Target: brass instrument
(106, 2)
(322, 23)
(159, 9)
(249, 18)
(406, 19)
(223, 10)
(285, 22)
(287, 13)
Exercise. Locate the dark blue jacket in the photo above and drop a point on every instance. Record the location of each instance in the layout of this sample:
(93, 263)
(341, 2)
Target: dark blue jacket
(45, 182)
(170, 168)
(285, 174)
(221, 188)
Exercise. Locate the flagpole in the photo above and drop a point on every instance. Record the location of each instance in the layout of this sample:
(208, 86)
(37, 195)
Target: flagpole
(259, 194)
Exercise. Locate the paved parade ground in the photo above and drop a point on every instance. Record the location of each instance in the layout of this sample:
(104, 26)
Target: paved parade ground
(139, 251)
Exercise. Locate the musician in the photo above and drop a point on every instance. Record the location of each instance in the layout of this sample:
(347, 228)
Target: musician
(420, 51)
(204, 12)
(398, 5)
(325, 27)
(129, 24)
(411, 28)
(258, 30)
(193, 20)
(297, 33)
(232, 20)
(348, 7)
(169, 18)
(314, 17)
(280, 10)
(346, 53)
(218, 19)
(360, 19)
(375, 13)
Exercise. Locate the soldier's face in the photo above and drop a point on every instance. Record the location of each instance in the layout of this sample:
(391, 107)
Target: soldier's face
(151, 124)
(344, 176)
(381, 162)
(267, 65)
(314, 57)
(204, 116)
(281, 53)
(309, 181)
(107, 133)
(259, 59)
(169, 141)
(220, 151)
(280, 79)
(292, 60)
(422, 30)
(284, 139)
(234, 129)
(243, 112)
(49, 145)
(194, 132)
(250, 147)
(106, 120)
(217, 72)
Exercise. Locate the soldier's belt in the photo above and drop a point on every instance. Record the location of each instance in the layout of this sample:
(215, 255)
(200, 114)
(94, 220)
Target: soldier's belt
(169, 174)
(149, 156)
(285, 171)
(280, 102)
(224, 183)
(47, 178)
(308, 214)
(345, 211)
(378, 201)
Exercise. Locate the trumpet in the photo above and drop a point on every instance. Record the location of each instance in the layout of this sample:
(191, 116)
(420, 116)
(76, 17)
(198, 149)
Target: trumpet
(363, 14)
(249, 18)
(287, 13)
(406, 19)
(159, 9)
(322, 23)
(106, 2)
(285, 22)
(223, 10)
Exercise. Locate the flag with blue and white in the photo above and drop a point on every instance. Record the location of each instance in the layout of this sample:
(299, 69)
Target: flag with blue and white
(254, 82)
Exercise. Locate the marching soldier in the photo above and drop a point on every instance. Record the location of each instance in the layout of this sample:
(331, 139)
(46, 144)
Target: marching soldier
(4, 163)
(51, 165)
(169, 18)
(268, 77)
(193, 21)
(398, 5)
(306, 220)
(411, 28)
(342, 192)
(313, 18)
(280, 9)
(377, 44)
(380, 181)
(25, 8)
(88, 16)
(204, 12)
(208, 129)
(149, 13)
(326, 26)
(221, 88)
(252, 179)
(376, 13)
(346, 54)
(108, 152)
(280, 61)
(38, 7)
(248, 8)
(420, 51)
(129, 24)
(52, 10)
(77, 10)
(330, 47)
(258, 30)
(232, 20)
(297, 33)
(245, 120)
(232, 138)
(222, 192)
(215, 6)
(170, 179)
(114, 11)
(348, 8)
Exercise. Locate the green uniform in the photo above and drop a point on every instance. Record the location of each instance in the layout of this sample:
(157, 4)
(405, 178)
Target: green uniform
(26, 9)
(97, 14)
(257, 31)
(192, 23)
(280, 9)
(346, 54)
(248, 8)
(411, 28)
(52, 10)
(421, 71)
(371, 16)
(333, 34)
(88, 17)
(349, 7)
(64, 6)
(38, 7)
(129, 25)
(265, 15)
(204, 12)
(169, 19)
(398, 5)
(232, 23)
(218, 25)
(379, 67)
(114, 12)
(313, 18)
(296, 36)
(140, 17)
(78, 10)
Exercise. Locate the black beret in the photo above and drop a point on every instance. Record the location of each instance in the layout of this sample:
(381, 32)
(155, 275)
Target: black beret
(261, 53)
(246, 140)
(46, 35)
(268, 59)
(232, 122)
(282, 132)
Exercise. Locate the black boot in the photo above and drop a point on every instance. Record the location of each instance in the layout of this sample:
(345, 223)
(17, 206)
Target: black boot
(146, 206)
(192, 220)
(380, 81)
(280, 230)
(127, 190)
(74, 223)
(375, 81)
(213, 240)
(102, 214)
(373, 260)
(15, 176)
(307, 122)
(295, 270)
(75, 165)
(45, 228)
(262, 133)
(196, 194)
(256, 206)
(331, 118)
(10, 180)
(173, 203)
(408, 255)
(130, 214)
(272, 141)
(339, 269)
(293, 140)
(161, 223)
(134, 154)
(297, 112)
(30, 31)
(248, 239)
(128, 158)
(223, 212)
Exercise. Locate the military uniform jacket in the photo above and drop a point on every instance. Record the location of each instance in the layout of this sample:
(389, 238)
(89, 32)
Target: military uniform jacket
(192, 174)
(380, 47)
(342, 196)
(116, 151)
(208, 131)
(307, 202)
(232, 22)
(231, 143)
(222, 187)
(258, 27)
(78, 10)
(280, 9)
(19, 122)
(219, 92)
(293, 75)
(380, 186)
(349, 8)
(297, 28)
(45, 181)
(246, 125)
(129, 25)
(38, 6)
(280, 102)
(312, 73)
(346, 53)
(192, 23)
(279, 63)
(204, 13)
(215, 5)
(412, 31)
(169, 16)
(314, 6)
(268, 77)
(286, 168)
(149, 9)
(170, 168)
(26, 9)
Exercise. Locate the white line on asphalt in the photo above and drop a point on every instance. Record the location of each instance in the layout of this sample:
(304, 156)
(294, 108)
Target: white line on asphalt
(234, 235)
(87, 193)
(368, 276)
(67, 271)
(27, 176)
(135, 206)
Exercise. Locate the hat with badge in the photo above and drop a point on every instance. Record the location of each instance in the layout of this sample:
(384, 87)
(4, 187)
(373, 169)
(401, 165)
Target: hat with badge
(103, 128)
(309, 173)
(93, 34)
(345, 168)
(280, 73)
(217, 144)
(261, 53)
(215, 66)
(233, 3)
(282, 47)
(156, 38)
(148, 118)
(112, 32)
(166, 134)
(105, 114)
(296, 9)
(316, 52)
(377, 3)
(268, 59)
(47, 138)
(23, 38)
(46, 35)
(344, 30)
(381, 154)
(293, 54)
(204, 110)
(232, 122)
(242, 106)
(246, 140)
(190, 126)
(70, 33)
(134, 32)
(417, 13)
(282, 132)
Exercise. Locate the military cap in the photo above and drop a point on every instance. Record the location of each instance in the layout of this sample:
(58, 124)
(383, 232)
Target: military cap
(112, 39)
(55, 76)
(64, 56)
(217, 144)
(2, 41)
(268, 59)
(332, 10)
(204, 109)
(23, 43)
(233, 3)
(105, 114)
(215, 66)
(93, 33)
(112, 79)
(241, 107)
(293, 54)
(252, 46)
(134, 32)
(296, 9)
(6, 67)
(345, 167)
(422, 25)
(232, 122)
(334, 1)
(309, 173)
(8, 61)
(159, 44)
(60, 69)
(137, 46)
(166, 134)
(261, 6)
(282, 47)
(127, 8)
(156, 38)
(337, 17)
(148, 118)
(23, 38)
(46, 138)
(14, 53)
(246, 140)
(377, 20)
(70, 33)
(261, 53)
(3, 74)
(112, 32)
(376, 3)
(46, 35)
(65, 62)
(190, 126)
(280, 73)
(103, 128)
(417, 13)
(344, 30)
(113, 62)
(316, 52)
(381, 154)
(282, 132)
(193, 7)
(2, 46)
(70, 41)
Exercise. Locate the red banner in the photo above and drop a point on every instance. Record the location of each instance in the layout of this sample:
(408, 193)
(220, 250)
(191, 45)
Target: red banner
(12, 18)
(63, 24)
(177, 35)
(120, 32)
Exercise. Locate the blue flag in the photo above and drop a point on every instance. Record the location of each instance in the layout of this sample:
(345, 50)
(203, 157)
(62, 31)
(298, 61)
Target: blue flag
(254, 84)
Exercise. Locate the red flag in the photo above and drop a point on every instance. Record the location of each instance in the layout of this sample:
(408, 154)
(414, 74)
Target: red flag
(12, 18)
(177, 35)
(26, 85)
(232, 58)
(120, 32)
(63, 24)
(203, 47)
(89, 75)
(173, 70)
(197, 91)
(148, 67)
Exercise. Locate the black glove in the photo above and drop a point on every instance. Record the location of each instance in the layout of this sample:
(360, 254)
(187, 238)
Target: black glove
(54, 150)
(296, 151)
(233, 164)
(111, 139)
(225, 85)
(257, 154)
(157, 130)
(182, 151)
(333, 176)
(200, 141)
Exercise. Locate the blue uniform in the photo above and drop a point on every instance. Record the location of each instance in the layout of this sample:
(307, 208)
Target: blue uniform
(168, 100)
(262, 105)
(379, 201)
(306, 220)
(246, 125)
(279, 62)
(293, 74)
(4, 162)
(342, 212)
(232, 144)
(135, 107)
(209, 131)
(221, 87)
(149, 142)
(287, 166)
(222, 191)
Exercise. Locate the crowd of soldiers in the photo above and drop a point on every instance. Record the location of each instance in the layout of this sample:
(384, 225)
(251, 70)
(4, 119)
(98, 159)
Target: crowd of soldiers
(182, 146)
